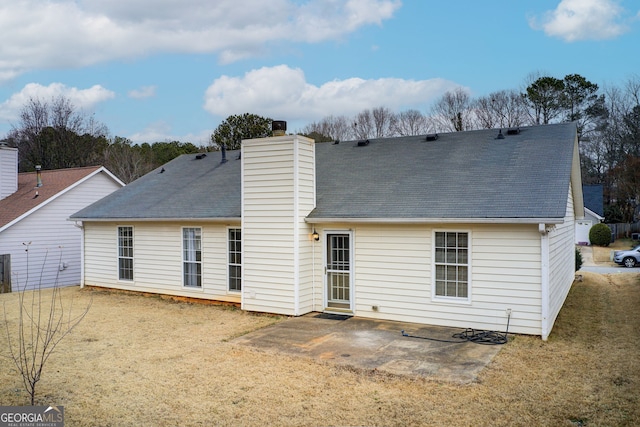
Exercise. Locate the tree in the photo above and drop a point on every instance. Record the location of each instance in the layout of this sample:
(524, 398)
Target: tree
(452, 112)
(234, 129)
(383, 121)
(363, 126)
(337, 128)
(502, 109)
(318, 137)
(43, 321)
(411, 122)
(581, 103)
(54, 135)
(128, 162)
(545, 98)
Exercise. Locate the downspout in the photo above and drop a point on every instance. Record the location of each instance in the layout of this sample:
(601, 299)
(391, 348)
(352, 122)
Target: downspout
(544, 281)
(80, 225)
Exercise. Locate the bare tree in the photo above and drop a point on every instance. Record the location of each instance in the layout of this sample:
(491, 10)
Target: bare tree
(383, 121)
(363, 126)
(55, 135)
(127, 162)
(43, 321)
(632, 89)
(452, 112)
(337, 128)
(411, 122)
(502, 109)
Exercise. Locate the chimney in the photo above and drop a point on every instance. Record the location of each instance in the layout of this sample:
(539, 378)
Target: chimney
(278, 128)
(8, 170)
(38, 176)
(223, 149)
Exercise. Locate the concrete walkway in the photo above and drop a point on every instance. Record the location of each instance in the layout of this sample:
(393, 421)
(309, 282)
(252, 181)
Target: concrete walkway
(376, 345)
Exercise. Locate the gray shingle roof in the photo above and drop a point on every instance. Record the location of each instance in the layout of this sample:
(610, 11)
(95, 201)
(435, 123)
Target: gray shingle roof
(593, 198)
(462, 175)
(187, 189)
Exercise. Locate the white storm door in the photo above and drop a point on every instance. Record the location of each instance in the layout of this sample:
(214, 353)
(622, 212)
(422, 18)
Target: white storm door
(339, 274)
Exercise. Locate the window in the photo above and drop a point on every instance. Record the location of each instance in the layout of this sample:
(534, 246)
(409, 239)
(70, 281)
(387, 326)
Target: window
(451, 264)
(192, 257)
(125, 253)
(235, 259)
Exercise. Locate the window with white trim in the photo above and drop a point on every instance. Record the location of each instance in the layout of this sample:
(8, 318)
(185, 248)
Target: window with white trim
(125, 253)
(192, 257)
(235, 259)
(451, 251)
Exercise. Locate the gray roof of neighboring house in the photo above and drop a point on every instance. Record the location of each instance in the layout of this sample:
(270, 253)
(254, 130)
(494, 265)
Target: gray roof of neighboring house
(460, 175)
(593, 198)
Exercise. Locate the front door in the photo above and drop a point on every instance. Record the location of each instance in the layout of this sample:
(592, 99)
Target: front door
(338, 278)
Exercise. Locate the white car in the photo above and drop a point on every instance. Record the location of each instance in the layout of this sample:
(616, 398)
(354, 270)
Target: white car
(629, 258)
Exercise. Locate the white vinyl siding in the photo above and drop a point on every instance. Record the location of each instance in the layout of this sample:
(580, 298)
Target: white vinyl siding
(55, 251)
(8, 171)
(561, 261)
(393, 276)
(158, 259)
(278, 193)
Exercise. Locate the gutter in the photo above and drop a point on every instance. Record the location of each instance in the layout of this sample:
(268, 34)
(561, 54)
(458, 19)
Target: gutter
(435, 220)
(128, 219)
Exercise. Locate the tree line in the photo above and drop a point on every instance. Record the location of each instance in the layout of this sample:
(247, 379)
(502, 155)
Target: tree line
(55, 135)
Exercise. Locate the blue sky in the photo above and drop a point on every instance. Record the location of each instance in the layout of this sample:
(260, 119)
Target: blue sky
(162, 70)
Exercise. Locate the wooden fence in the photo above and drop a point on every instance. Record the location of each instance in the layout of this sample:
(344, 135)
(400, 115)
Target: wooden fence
(622, 230)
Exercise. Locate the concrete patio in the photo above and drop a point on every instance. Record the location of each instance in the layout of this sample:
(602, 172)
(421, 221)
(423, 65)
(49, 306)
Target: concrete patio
(376, 345)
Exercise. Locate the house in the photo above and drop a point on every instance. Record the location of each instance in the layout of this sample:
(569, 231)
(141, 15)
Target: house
(38, 245)
(593, 212)
(466, 229)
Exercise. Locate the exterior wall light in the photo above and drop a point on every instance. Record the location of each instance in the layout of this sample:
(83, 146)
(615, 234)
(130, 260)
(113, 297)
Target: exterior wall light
(315, 235)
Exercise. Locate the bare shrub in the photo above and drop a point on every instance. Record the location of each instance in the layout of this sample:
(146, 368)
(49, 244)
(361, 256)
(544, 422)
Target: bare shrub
(43, 321)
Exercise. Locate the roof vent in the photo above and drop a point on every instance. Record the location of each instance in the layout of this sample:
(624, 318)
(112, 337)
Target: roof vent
(201, 156)
(363, 143)
(432, 136)
(38, 176)
(513, 131)
(500, 135)
(278, 127)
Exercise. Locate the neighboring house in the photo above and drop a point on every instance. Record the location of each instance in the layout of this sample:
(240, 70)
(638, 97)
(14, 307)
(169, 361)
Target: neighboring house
(458, 230)
(38, 244)
(593, 212)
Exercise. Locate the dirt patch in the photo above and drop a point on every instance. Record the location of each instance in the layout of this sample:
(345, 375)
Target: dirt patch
(139, 360)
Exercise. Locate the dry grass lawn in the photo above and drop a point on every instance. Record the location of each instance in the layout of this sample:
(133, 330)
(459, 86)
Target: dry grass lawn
(602, 254)
(146, 361)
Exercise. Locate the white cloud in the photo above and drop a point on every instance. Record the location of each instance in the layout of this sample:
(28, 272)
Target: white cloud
(82, 99)
(282, 92)
(575, 20)
(143, 92)
(161, 131)
(68, 33)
